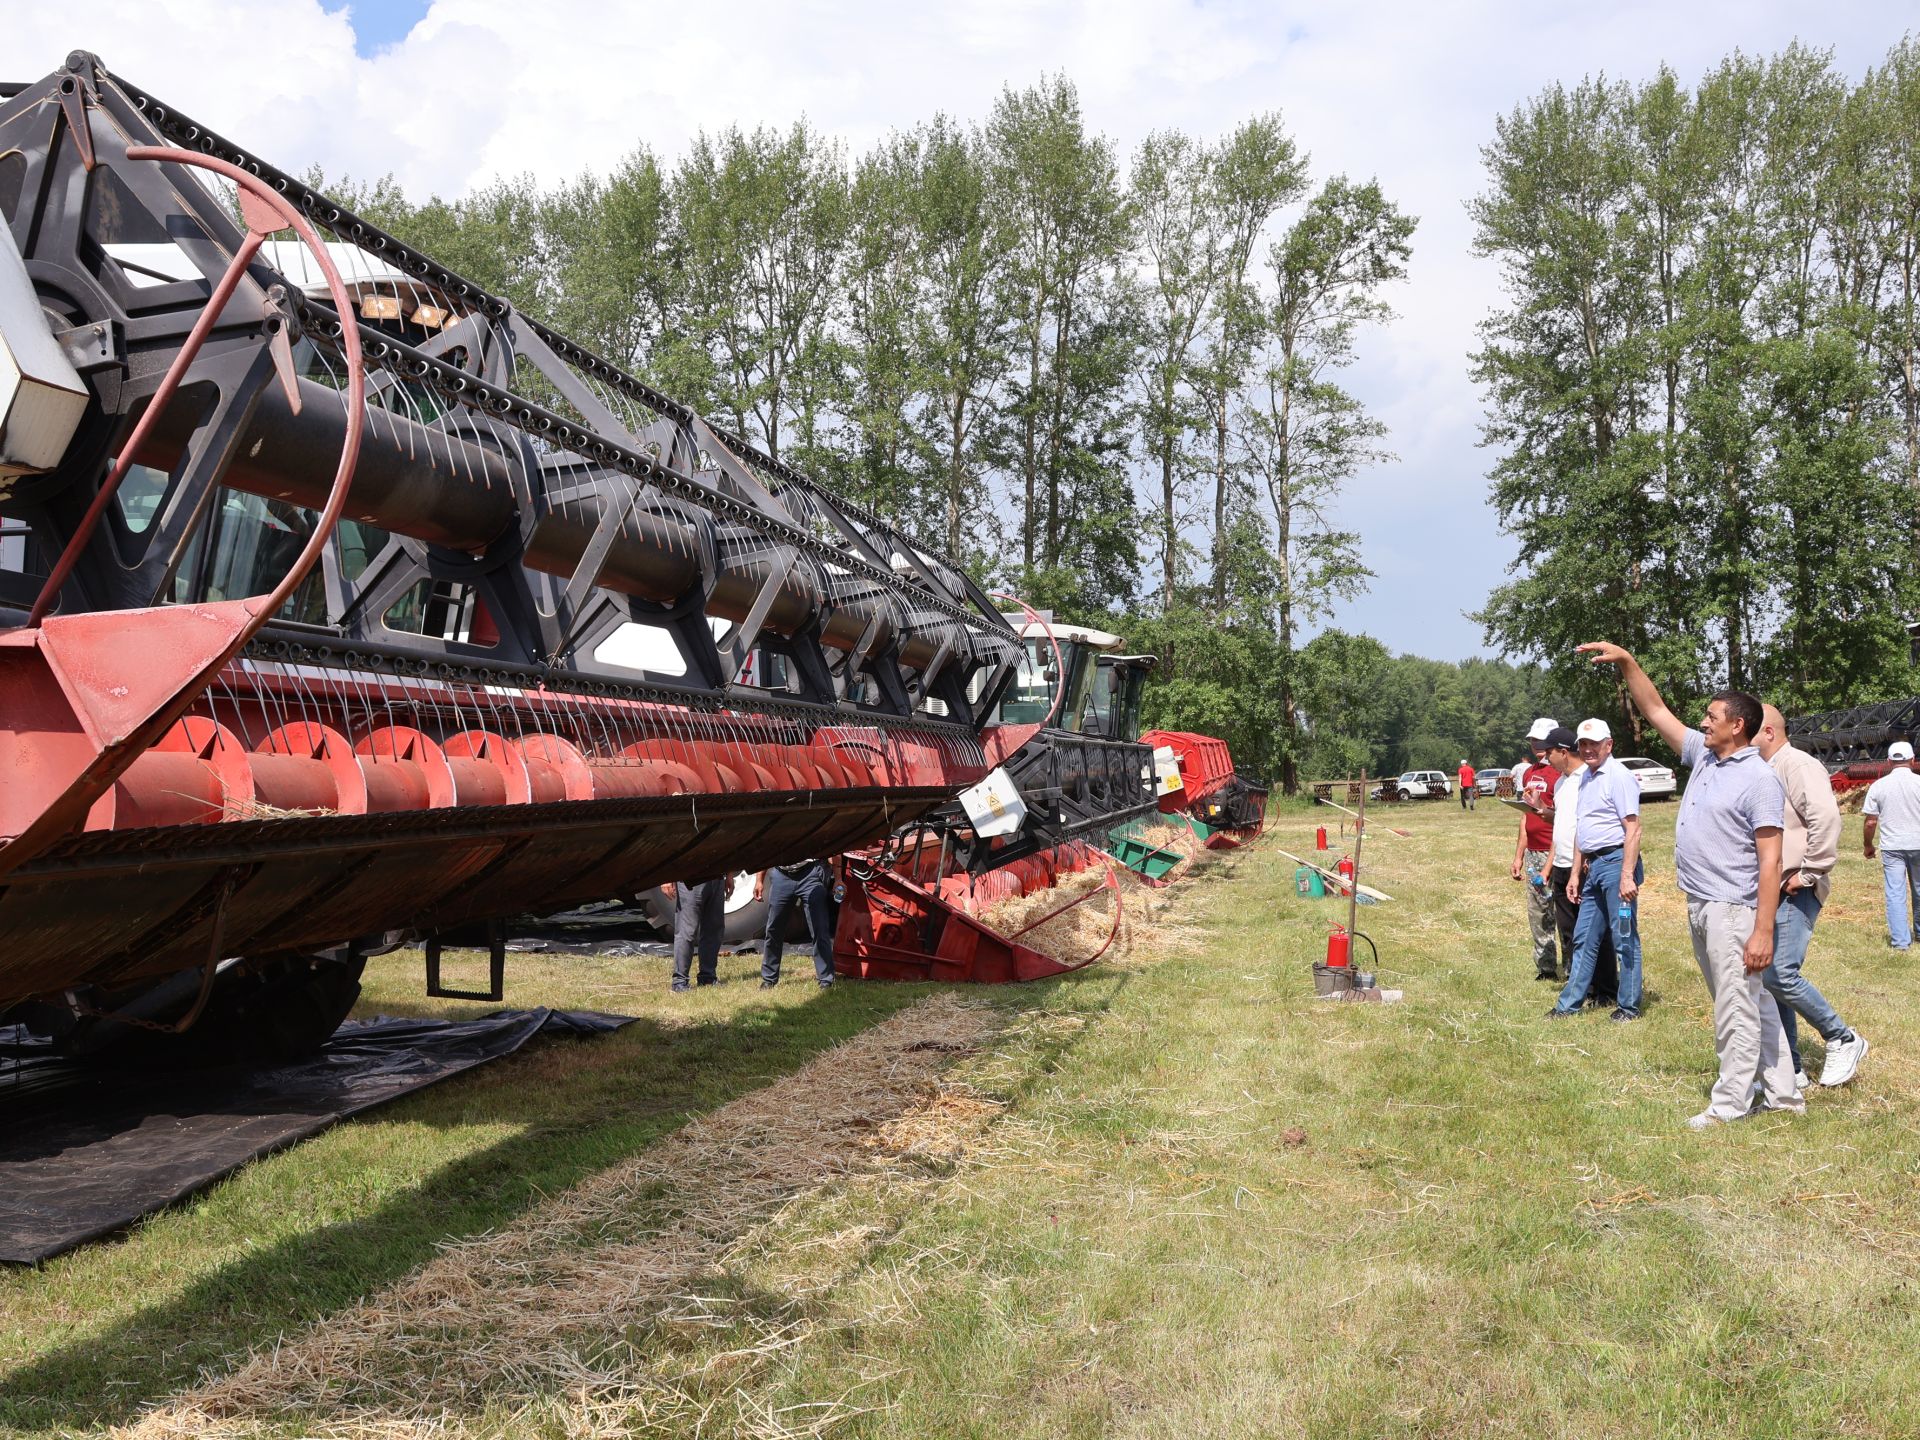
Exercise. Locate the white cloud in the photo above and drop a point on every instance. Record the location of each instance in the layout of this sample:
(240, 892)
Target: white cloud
(1406, 91)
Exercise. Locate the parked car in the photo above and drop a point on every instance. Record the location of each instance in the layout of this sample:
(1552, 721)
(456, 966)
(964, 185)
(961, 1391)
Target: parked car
(1657, 782)
(1487, 782)
(1415, 785)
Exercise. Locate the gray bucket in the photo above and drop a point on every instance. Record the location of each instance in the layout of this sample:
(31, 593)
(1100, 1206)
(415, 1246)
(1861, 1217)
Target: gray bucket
(1331, 979)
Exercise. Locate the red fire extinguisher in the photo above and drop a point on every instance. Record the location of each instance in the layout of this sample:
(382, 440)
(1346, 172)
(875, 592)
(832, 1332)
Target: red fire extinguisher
(1345, 867)
(1320, 838)
(1337, 947)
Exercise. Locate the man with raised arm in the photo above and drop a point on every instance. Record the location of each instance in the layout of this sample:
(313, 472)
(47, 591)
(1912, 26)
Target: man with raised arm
(1726, 857)
(1809, 846)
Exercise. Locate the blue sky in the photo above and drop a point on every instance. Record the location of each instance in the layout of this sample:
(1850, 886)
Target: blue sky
(379, 24)
(446, 94)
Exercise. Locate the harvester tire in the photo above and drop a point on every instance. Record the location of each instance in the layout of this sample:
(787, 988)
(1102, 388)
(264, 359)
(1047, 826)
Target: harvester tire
(270, 1011)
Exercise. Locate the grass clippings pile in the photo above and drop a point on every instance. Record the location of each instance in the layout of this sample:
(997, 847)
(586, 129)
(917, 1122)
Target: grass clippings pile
(1070, 936)
(558, 1303)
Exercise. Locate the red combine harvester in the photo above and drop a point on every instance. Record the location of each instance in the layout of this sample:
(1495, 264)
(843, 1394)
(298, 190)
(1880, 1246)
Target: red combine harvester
(341, 603)
(1079, 796)
(922, 905)
(1227, 809)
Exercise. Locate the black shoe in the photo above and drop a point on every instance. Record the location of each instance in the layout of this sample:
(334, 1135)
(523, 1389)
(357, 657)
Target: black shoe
(709, 980)
(1621, 1015)
(678, 988)
(826, 984)
(1556, 1013)
(1555, 978)
(768, 984)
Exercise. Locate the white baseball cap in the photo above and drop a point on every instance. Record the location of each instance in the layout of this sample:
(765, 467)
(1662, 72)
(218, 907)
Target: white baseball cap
(1542, 728)
(1900, 750)
(1594, 729)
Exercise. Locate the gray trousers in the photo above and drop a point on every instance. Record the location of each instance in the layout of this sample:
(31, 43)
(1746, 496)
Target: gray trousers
(1536, 866)
(1747, 1036)
(699, 917)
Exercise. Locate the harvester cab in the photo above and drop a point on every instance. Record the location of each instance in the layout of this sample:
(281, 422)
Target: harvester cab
(1113, 705)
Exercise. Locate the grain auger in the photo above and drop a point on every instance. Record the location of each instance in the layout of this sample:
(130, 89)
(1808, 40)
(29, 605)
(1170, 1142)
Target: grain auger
(342, 601)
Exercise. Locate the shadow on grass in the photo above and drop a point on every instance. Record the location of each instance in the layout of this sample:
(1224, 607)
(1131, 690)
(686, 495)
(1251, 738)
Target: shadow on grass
(584, 1105)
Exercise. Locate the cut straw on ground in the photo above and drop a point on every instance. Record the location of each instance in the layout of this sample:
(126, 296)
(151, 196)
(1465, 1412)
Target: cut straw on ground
(528, 1310)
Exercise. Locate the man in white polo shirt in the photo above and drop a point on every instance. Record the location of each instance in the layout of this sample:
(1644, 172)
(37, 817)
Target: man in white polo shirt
(1893, 828)
(1606, 874)
(1564, 756)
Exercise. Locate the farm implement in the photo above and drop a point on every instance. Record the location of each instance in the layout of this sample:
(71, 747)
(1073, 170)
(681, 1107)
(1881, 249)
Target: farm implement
(1853, 743)
(1022, 876)
(342, 604)
(1226, 809)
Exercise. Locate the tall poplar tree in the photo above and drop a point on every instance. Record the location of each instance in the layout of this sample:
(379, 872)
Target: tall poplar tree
(1304, 435)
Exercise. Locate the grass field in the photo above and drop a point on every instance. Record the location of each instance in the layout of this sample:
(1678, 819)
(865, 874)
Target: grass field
(1170, 1196)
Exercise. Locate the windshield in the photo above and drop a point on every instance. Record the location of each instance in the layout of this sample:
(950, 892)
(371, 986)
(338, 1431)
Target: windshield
(1113, 707)
(1031, 695)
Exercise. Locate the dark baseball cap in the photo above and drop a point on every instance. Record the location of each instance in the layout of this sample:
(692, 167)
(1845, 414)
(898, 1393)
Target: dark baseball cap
(1560, 738)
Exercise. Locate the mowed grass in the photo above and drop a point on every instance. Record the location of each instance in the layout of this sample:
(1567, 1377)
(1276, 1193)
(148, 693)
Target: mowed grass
(1206, 1204)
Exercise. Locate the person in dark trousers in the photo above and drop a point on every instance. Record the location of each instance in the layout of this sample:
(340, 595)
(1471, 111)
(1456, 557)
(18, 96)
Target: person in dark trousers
(1607, 874)
(1566, 907)
(808, 884)
(1533, 849)
(1466, 777)
(699, 917)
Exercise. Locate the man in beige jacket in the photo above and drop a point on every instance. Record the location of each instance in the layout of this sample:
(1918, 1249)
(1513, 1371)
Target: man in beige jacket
(1809, 846)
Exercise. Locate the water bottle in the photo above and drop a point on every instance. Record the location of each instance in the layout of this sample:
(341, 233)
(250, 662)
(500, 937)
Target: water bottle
(1626, 910)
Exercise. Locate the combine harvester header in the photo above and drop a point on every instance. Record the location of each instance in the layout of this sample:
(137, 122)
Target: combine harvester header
(341, 601)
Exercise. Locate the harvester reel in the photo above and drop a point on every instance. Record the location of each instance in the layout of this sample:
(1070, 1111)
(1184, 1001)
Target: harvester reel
(499, 691)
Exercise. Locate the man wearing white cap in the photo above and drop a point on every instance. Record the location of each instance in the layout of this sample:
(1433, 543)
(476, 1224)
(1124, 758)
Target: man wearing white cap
(1606, 873)
(1533, 850)
(1893, 827)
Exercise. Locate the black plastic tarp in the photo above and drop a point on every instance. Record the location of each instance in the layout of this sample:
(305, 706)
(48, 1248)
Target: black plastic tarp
(86, 1151)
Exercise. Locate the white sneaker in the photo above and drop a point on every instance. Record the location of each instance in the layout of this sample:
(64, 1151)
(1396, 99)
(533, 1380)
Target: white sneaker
(1800, 1080)
(1705, 1120)
(1843, 1060)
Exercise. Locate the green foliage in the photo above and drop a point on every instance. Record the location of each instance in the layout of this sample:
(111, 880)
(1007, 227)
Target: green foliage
(991, 335)
(1700, 386)
(1214, 679)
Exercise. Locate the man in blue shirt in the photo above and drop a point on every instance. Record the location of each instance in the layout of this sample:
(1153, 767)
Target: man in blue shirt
(1726, 858)
(1606, 874)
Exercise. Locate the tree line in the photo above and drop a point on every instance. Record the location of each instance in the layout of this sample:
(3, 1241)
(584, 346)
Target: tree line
(1108, 384)
(1703, 383)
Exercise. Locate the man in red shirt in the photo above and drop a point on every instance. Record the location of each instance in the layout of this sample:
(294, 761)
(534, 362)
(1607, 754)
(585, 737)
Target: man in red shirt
(1533, 853)
(1466, 786)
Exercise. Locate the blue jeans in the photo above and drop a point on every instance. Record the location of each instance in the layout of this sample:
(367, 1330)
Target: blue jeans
(812, 893)
(1900, 870)
(1792, 932)
(1600, 915)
